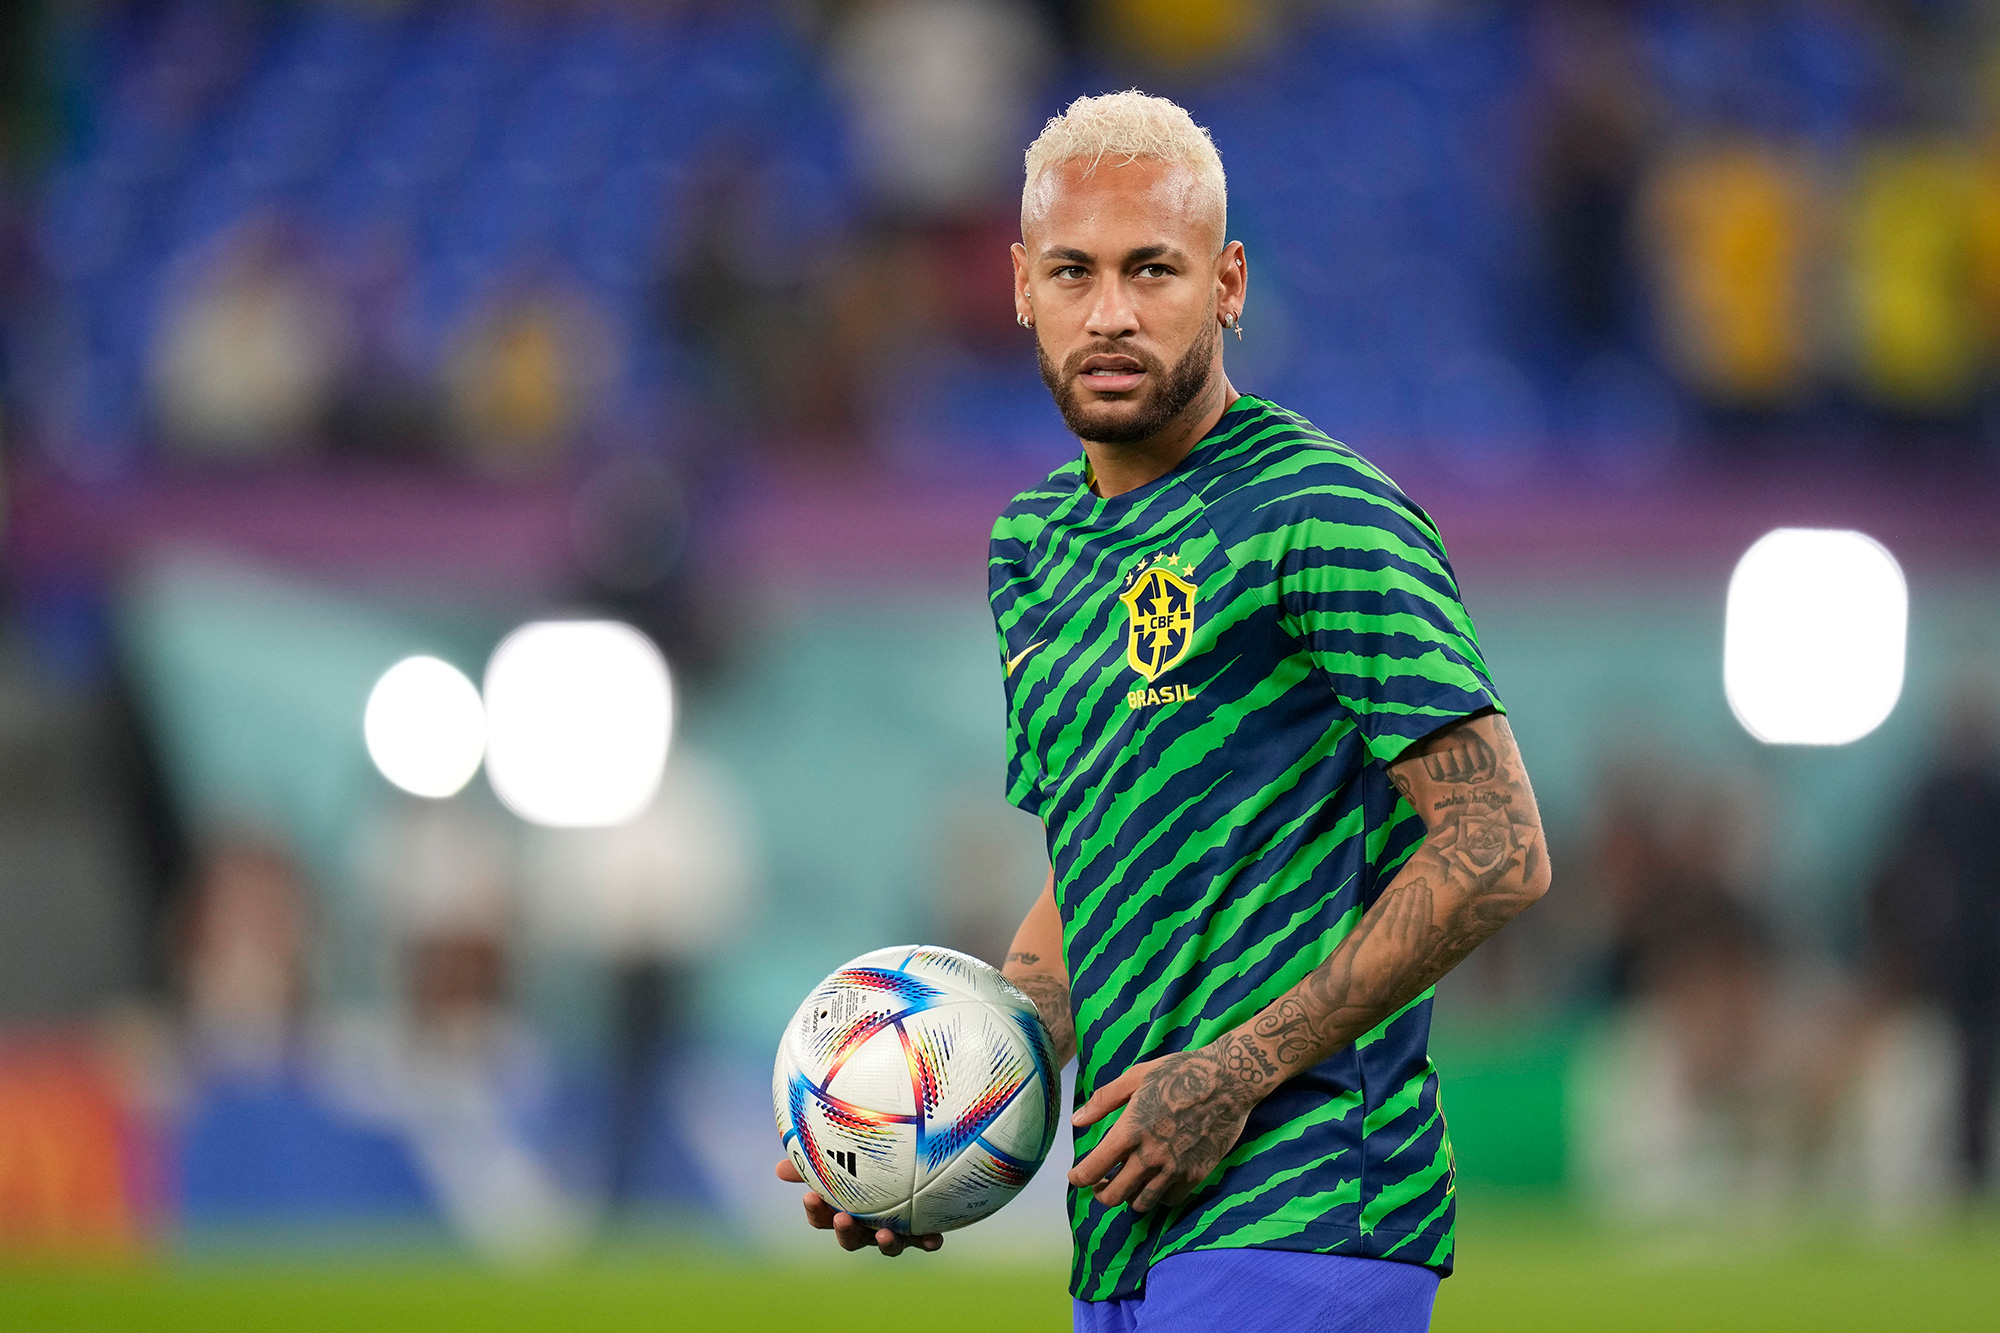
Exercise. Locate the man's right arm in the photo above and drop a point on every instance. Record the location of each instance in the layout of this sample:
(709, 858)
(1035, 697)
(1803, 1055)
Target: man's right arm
(1035, 965)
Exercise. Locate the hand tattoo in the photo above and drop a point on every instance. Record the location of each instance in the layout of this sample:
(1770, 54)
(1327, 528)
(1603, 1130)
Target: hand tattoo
(1020, 957)
(1190, 1110)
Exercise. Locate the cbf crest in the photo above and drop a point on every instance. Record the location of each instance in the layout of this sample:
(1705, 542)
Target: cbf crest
(1159, 601)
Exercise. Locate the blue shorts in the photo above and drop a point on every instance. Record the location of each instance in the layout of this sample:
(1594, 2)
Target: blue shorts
(1273, 1291)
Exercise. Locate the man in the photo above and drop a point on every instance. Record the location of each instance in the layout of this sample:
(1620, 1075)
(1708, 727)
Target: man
(1280, 796)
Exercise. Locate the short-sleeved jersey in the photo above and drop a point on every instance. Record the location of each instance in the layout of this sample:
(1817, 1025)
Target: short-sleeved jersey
(1205, 679)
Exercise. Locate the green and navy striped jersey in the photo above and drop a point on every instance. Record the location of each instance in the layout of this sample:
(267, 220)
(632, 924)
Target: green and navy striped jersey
(1205, 679)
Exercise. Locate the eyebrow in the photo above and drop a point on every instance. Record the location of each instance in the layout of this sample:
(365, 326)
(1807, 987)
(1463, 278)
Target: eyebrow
(1139, 256)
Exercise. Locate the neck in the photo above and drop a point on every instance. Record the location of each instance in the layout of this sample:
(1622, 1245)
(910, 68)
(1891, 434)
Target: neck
(1118, 468)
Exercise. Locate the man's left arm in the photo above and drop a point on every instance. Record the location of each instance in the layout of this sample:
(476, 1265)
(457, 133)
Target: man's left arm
(1483, 860)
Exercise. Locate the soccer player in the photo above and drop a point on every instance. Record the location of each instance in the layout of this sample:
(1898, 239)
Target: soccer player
(1280, 795)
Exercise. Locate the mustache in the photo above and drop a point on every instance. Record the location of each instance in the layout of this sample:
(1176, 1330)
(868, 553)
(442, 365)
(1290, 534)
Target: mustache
(1073, 363)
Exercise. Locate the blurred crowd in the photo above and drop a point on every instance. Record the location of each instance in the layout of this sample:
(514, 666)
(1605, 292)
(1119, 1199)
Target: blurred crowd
(494, 236)
(646, 255)
(1751, 1057)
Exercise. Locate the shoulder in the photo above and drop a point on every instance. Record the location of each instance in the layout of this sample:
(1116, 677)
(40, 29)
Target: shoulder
(1027, 513)
(1280, 472)
(1021, 523)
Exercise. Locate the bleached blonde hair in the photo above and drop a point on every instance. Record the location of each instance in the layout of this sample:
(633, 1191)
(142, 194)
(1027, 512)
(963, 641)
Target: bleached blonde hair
(1127, 127)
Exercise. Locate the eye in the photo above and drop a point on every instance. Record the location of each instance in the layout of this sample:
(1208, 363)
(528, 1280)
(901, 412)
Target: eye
(1155, 271)
(1068, 272)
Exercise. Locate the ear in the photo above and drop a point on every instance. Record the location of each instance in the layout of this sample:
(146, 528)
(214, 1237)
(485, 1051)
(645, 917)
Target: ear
(1022, 309)
(1232, 281)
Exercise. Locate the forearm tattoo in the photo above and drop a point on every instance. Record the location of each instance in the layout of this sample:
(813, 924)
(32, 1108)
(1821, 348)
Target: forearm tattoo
(1050, 992)
(1482, 862)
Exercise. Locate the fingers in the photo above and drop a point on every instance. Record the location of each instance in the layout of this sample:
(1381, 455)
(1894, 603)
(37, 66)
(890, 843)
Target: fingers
(1097, 1164)
(854, 1234)
(893, 1243)
(1109, 1097)
(850, 1231)
(1136, 1175)
(1146, 1185)
(1156, 1191)
(820, 1214)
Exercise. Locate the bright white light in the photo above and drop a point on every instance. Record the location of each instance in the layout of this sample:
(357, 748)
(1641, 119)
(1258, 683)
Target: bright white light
(578, 715)
(425, 727)
(1812, 650)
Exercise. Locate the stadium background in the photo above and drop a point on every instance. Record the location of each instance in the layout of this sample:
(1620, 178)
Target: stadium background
(334, 333)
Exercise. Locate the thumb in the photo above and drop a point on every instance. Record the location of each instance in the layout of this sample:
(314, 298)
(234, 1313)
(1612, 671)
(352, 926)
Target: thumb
(1108, 1098)
(787, 1171)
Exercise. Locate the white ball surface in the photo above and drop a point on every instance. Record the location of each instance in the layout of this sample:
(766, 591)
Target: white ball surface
(916, 1089)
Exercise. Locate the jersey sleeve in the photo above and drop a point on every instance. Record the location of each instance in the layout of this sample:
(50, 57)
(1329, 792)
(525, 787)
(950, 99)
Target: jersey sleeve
(1024, 778)
(1365, 585)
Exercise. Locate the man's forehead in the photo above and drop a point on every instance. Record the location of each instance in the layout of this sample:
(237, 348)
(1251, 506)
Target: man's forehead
(1154, 202)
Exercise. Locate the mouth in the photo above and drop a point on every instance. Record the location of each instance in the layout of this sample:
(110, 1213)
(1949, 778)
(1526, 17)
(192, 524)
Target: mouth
(1106, 373)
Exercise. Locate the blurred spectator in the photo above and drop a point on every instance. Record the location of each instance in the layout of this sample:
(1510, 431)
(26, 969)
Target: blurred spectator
(243, 954)
(1688, 1095)
(772, 361)
(1933, 929)
(942, 90)
(1729, 233)
(258, 1139)
(1910, 260)
(1180, 34)
(652, 899)
(1594, 127)
(385, 405)
(245, 366)
(526, 377)
(453, 1074)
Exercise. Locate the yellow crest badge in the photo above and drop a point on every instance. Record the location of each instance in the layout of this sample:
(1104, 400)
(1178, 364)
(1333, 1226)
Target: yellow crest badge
(1160, 603)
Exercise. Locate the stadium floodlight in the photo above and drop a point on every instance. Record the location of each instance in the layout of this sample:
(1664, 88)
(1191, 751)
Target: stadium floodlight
(425, 727)
(578, 714)
(1814, 640)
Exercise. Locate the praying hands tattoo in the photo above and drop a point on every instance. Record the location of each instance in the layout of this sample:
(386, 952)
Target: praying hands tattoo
(1484, 859)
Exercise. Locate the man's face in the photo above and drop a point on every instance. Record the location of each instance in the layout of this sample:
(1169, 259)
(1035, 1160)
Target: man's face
(1122, 271)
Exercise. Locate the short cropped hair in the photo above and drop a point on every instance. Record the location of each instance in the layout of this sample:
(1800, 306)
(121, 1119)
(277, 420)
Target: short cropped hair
(1128, 126)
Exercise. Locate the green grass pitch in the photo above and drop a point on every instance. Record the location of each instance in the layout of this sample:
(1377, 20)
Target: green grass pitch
(1518, 1271)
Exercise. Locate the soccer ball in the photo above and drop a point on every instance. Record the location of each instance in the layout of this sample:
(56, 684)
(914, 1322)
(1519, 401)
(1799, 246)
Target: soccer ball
(916, 1089)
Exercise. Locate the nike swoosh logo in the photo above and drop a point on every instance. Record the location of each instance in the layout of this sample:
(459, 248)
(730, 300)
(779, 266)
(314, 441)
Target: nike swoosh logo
(1015, 660)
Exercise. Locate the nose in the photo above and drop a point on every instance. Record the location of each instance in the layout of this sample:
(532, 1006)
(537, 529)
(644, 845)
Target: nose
(1112, 314)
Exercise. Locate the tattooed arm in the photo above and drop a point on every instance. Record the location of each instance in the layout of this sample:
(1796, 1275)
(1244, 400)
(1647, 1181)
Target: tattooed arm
(1035, 964)
(1483, 860)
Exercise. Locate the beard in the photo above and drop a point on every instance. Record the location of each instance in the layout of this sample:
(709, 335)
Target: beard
(1169, 394)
